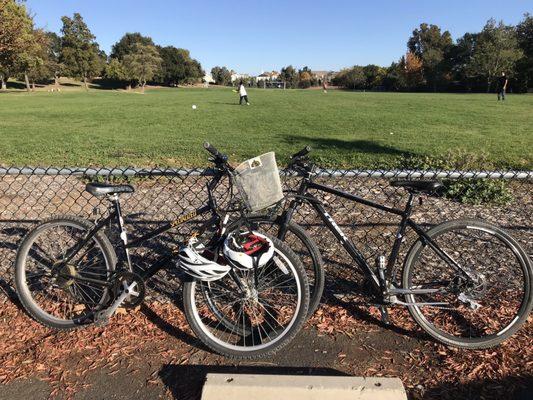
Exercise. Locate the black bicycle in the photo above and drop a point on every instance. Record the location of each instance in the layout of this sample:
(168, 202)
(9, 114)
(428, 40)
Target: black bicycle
(466, 282)
(68, 275)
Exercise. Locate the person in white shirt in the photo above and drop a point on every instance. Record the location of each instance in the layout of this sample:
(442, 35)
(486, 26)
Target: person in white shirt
(243, 95)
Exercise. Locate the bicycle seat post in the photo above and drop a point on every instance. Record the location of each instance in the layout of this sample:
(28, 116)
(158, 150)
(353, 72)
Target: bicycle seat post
(114, 199)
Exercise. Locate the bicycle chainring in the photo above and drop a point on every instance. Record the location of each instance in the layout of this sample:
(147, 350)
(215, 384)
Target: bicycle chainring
(128, 278)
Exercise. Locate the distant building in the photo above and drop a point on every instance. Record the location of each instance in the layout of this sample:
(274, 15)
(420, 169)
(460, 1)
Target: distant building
(208, 78)
(324, 75)
(237, 77)
(266, 76)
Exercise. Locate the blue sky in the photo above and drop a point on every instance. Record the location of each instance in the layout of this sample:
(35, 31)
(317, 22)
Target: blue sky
(250, 36)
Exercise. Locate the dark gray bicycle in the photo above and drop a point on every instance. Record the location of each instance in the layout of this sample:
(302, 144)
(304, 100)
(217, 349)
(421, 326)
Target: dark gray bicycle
(466, 282)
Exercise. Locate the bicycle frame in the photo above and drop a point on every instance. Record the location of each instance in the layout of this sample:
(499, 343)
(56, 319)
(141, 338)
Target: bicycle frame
(378, 285)
(116, 214)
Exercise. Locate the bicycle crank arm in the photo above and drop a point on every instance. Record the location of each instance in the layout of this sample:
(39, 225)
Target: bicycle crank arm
(104, 315)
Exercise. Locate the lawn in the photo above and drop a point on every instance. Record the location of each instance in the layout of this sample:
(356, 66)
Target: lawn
(348, 129)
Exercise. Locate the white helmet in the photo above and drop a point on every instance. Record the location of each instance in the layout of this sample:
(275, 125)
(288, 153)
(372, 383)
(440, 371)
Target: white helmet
(200, 267)
(243, 249)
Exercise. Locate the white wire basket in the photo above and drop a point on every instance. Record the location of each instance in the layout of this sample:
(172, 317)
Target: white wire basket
(258, 179)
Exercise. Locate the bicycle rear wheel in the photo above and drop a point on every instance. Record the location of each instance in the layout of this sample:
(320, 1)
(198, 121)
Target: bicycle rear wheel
(48, 290)
(254, 322)
(472, 314)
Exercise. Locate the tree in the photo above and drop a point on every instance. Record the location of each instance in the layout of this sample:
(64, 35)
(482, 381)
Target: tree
(496, 51)
(459, 58)
(305, 78)
(289, 75)
(143, 64)
(79, 52)
(16, 36)
(351, 78)
(221, 75)
(116, 71)
(431, 46)
(412, 70)
(33, 62)
(524, 34)
(394, 78)
(53, 56)
(127, 44)
(373, 76)
(178, 66)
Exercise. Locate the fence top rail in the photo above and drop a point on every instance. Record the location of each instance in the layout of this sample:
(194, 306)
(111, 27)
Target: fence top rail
(322, 172)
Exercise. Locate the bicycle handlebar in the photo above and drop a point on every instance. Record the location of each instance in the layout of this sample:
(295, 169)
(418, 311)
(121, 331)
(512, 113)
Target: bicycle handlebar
(219, 158)
(300, 160)
(211, 149)
(305, 151)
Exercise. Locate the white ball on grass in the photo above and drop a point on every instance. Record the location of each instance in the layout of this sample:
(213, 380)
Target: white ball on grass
(194, 106)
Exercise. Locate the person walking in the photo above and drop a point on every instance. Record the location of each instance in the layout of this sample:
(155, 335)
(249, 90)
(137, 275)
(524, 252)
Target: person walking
(243, 95)
(502, 86)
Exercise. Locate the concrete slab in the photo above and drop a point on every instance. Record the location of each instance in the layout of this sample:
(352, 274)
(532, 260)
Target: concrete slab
(296, 387)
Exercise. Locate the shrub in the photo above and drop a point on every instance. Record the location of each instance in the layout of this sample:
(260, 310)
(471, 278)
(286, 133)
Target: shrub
(464, 190)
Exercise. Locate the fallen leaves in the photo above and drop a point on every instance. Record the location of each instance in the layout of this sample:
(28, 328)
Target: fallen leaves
(63, 359)
(430, 371)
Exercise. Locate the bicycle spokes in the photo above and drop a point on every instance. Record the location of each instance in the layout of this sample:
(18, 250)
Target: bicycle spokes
(254, 315)
(472, 308)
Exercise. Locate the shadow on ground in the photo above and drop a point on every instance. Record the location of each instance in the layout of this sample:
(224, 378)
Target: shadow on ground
(509, 388)
(357, 145)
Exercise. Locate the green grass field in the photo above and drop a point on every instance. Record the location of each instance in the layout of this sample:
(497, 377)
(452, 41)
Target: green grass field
(346, 129)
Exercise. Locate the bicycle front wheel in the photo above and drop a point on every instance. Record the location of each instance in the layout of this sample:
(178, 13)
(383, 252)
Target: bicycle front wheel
(256, 320)
(305, 248)
(468, 313)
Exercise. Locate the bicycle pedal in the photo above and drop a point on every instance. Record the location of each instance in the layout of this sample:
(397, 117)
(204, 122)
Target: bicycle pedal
(384, 315)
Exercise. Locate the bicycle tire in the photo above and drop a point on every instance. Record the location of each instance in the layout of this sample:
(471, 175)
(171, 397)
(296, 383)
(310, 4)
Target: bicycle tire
(525, 264)
(26, 299)
(230, 351)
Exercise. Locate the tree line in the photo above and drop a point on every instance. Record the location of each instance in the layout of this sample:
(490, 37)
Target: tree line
(34, 55)
(435, 62)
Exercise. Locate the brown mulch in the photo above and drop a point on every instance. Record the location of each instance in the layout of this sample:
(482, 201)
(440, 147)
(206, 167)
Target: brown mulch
(64, 359)
(429, 371)
(439, 371)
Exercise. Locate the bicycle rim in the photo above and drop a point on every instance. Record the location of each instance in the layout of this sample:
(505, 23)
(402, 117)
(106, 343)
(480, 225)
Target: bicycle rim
(50, 296)
(235, 322)
(472, 314)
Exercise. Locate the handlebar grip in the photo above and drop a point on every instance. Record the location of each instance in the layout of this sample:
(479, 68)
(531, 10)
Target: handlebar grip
(302, 152)
(212, 150)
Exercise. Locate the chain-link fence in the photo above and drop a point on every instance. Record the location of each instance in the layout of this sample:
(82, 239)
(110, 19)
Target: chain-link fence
(28, 195)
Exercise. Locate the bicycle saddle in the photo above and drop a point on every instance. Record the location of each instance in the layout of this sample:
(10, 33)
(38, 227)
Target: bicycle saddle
(418, 186)
(100, 189)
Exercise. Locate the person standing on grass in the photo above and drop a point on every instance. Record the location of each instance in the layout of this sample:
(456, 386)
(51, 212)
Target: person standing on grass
(242, 93)
(502, 86)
